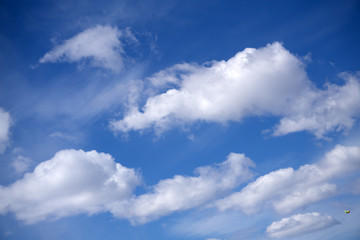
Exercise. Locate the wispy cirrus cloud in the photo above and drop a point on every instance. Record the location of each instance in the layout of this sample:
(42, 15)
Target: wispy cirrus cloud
(21, 164)
(211, 224)
(85, 102)
(5, 123)
(102, 46)
(255, 82)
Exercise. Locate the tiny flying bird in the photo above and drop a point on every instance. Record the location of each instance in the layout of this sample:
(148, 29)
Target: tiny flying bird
(347, 211)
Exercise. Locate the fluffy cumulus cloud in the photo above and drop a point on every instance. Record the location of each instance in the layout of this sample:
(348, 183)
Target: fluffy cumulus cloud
(75, 182)
(331, 109)
(300, 224)
(185, 192)
(287, 189)
(70, 183)
(101, 45)
(5, 123)
(255, 82)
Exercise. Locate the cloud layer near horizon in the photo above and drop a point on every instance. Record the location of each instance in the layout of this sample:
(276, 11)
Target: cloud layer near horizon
(255, 82)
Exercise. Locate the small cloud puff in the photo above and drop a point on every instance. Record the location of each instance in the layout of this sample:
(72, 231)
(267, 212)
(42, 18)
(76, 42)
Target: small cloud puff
(21, 164)
(101, 45)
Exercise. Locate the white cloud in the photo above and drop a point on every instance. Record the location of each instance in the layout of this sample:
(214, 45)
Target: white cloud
(61, 135)
(75, 182)
(249, 199)
(101, 45)
(287, 189)
(70, 183)
(303, 196)
(330, 109)
(255, 82)
(21, 164)
(183, 192)
(300, 224)
(5, 123)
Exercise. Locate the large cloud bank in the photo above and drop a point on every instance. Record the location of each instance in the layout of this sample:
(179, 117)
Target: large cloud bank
(75, 182)
(255, 82)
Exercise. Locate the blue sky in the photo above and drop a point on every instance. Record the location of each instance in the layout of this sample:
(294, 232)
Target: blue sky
(179, 119)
